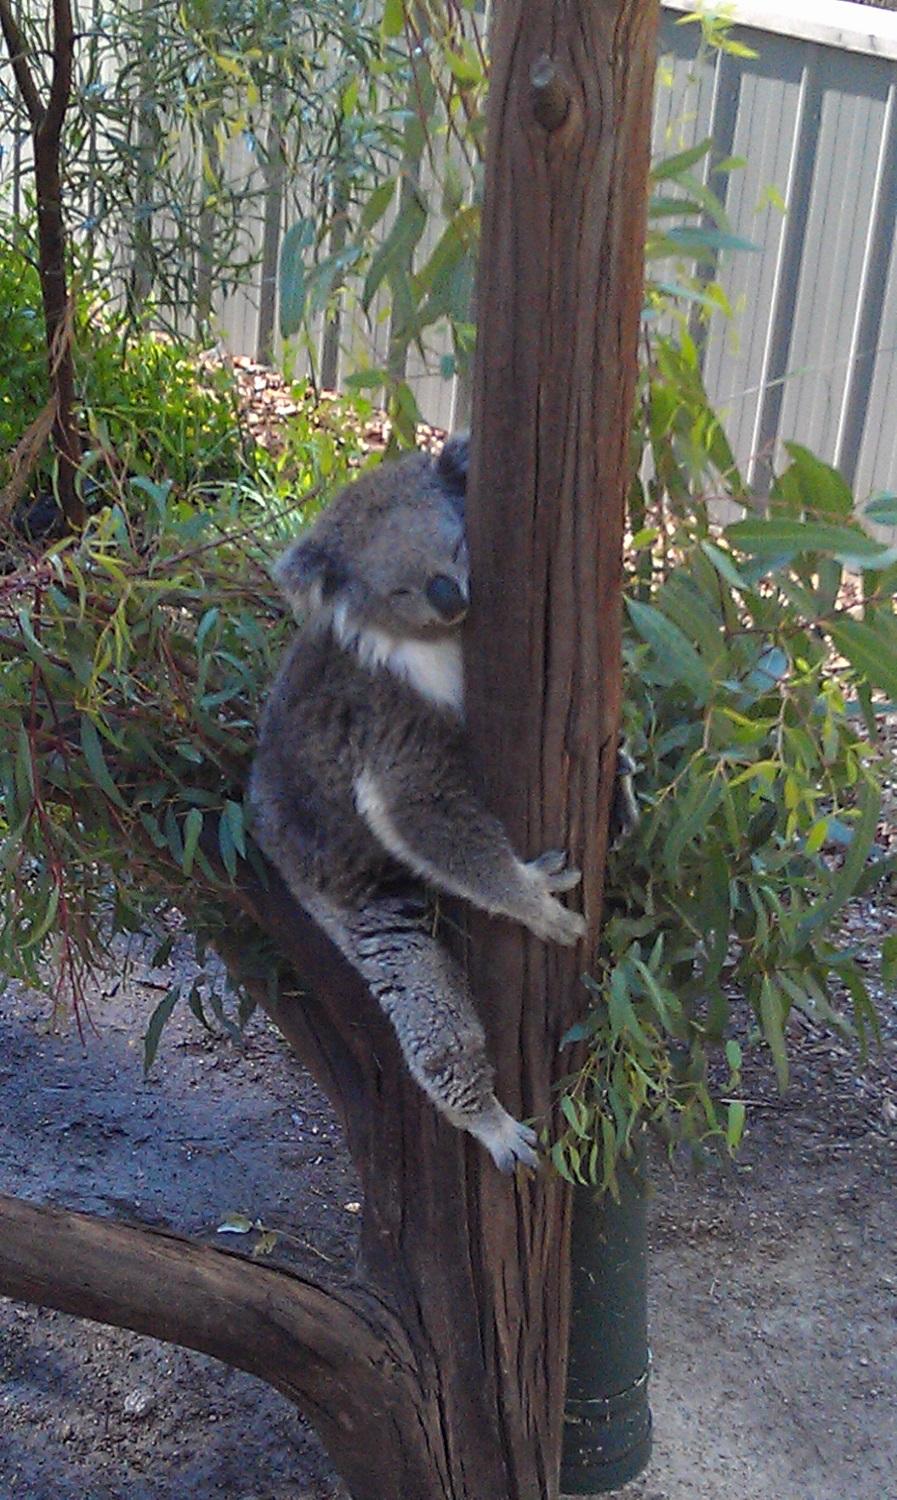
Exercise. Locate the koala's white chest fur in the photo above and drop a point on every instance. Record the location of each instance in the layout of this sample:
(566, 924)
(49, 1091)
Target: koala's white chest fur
(434, 669)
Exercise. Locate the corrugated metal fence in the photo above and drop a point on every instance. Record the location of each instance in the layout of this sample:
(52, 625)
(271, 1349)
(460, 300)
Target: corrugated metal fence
(812, 351)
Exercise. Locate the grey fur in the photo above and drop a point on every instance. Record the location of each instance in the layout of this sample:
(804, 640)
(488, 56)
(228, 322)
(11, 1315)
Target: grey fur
(362, 776)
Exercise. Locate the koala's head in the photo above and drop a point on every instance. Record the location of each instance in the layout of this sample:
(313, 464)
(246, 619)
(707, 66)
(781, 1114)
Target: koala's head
(389, 553)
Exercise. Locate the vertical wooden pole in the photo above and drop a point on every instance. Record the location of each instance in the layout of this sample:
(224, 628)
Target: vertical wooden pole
(559, 299)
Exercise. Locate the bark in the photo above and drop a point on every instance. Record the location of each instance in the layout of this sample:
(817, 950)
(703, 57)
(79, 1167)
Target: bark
(463, 1275)
(46, 121)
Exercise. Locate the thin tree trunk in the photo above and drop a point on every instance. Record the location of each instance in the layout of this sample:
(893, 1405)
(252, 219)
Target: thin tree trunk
(330, 345)
(275, 175)
(463, 1277)
(147, 143)
(46, 131)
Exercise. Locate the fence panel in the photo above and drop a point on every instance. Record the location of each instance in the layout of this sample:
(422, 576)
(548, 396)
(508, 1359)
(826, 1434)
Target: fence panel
(812, 351)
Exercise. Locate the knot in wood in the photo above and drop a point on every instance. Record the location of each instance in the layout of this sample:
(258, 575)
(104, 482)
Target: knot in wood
(551, 93)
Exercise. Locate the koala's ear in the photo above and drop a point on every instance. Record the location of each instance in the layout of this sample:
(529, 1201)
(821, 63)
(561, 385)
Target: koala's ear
(453, 462)
(309, 574)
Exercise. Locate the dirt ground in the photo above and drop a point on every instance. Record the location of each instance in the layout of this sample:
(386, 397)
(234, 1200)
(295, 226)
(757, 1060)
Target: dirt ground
(773, 1286)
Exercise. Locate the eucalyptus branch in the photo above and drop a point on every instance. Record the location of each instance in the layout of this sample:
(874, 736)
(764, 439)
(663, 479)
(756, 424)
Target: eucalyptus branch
(61, 82)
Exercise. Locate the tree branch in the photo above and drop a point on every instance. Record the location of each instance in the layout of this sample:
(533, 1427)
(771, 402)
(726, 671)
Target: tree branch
(320, 1346)
(332, 1022)
(18, 56)
(63, 53)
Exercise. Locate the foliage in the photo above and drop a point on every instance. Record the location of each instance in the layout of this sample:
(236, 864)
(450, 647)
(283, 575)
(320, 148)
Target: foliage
(182, 118)
(131, 664)
(755, 664)
(23, 371)
(428, 92)
(145, 405)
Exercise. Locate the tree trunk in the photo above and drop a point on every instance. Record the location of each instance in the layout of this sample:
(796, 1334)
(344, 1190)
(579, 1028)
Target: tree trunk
(438, 1373)
(46, 131)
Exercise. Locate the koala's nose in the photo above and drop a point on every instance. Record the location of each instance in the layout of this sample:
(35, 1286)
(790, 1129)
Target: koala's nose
(448, 598)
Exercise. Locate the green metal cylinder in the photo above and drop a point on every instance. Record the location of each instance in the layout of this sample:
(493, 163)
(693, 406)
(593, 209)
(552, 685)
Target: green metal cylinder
(607, 1431)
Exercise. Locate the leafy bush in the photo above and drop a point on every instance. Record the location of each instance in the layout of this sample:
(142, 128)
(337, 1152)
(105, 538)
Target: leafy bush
(152, 409)
(131, 664)
(23, 369)
(755, 655)
(146, 405)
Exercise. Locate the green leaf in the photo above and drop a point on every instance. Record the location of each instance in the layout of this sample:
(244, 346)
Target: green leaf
(96, 761)
(464, 66)
(725, 566)
(160, 1015)
(692, 813)
(397, 250)
(192, 831)
(848, 876)
(205, 625)
(772, 1012)
(674, 654)
(292, 279)
(32, 644)
(227, 847)
(781, 537)
(574, 1114)
(233, 812)
(734, 1124)
(869, 651)
(881, 508)
(622, 1016)
(24, 768)
(378, 203)
(671, 166)
(821, 487)
(393, 20)
(688, 240)
(43, 926)
(559, 1161)
(350, 97)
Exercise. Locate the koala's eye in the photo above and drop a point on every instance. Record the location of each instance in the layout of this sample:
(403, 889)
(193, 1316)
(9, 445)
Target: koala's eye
(400, 593)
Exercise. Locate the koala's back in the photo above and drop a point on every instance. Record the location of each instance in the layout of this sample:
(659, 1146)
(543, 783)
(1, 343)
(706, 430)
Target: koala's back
(327, 718)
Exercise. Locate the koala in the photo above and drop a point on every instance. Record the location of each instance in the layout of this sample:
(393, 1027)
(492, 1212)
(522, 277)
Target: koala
(361, 788)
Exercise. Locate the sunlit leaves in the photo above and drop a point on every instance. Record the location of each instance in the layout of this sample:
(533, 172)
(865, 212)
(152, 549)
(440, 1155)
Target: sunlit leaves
(754, 680)
(132, 664)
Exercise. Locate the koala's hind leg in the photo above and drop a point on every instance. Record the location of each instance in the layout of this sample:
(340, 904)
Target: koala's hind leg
(424, 994)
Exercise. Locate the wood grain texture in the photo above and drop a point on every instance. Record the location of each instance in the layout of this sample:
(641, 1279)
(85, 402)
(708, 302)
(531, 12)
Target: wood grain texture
(559, 298)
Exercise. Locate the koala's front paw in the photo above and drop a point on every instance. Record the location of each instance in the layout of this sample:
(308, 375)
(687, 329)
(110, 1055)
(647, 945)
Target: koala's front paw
(554, 872)
(507, 1140)
(548, 919)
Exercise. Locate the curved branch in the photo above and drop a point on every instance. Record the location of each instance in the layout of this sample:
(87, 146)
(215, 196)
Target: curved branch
(320, 1346)
(327, 1021)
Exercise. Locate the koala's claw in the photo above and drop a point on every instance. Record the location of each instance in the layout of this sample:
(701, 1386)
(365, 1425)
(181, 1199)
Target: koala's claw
(507, 1140)
(557, 924)
(553, 870)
